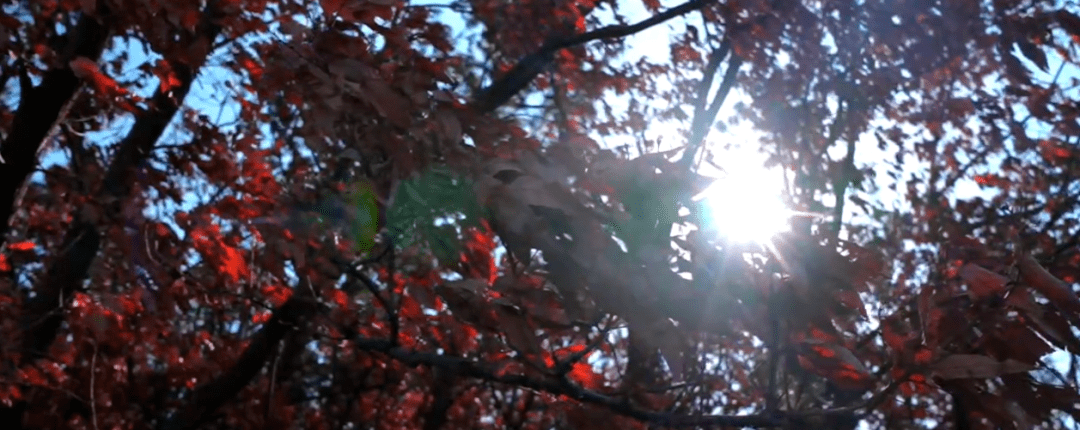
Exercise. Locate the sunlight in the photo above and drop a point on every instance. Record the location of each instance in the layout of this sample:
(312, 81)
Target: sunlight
(745, 201)
(746, 208)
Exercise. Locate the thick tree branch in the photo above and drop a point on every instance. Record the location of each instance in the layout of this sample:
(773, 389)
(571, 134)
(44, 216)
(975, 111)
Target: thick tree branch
(67, 271)
(529, 67)
(41, 316)
(442, 392)
(210, 397)
(39, 108)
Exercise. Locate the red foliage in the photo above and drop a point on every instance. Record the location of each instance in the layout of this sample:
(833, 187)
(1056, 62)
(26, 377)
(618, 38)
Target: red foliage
(181, 220)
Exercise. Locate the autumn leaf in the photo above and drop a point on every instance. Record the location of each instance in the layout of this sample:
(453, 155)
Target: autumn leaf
(835, 363)
(332, 7)
(583, 374)
(261, 317)
(517, 159)
(982, 283)
(23, 246)
(277, 295)
(88, 70)
(1041, 280)
(1034, 53)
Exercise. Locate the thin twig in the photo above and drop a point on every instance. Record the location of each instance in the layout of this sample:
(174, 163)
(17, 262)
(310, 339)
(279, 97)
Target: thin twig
(774, 360)
(564, 367)
(273, 381)
(847, 169)
(373, 288)
(93, 397)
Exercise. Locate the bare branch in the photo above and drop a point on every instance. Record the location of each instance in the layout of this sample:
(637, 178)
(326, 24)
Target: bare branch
(703, 121)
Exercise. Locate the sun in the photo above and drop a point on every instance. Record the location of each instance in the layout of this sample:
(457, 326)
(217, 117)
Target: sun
(744, 203)
(745, 200)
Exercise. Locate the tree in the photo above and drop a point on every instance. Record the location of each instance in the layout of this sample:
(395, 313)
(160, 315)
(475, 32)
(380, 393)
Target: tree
(338, 214)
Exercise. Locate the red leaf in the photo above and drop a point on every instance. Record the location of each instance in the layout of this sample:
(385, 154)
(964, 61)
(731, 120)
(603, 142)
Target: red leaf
(190, 19)
(583, 374)
(261, 317)
(253, 68)
(1053, 288)
(410, 308)
(86, 69)
(233, 264)
(339, 298)
(10, 395)
(21, 246)
(924, 356)
(277, 295)
(982, 283)
(835, 363)
(32, 376)
(332, 7)
(167, 78)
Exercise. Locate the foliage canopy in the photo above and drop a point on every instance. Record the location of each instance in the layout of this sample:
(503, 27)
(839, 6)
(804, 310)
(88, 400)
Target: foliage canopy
(388, 214)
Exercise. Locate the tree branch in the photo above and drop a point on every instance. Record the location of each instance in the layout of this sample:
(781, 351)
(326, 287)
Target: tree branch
(82, 242)
(39, 108)
(560, 386)
(708, 75)
(213, 395)
(373, 288)
(847, 169)
(66, 273)
(442, 393)
(771, 399)
(703, 121)
(529, 67)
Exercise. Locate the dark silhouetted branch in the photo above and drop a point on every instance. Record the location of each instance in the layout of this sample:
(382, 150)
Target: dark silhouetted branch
(442, 392)
(560, 386)
(69, 269)
(41, 316)
(529, 67)
(39, 108)
(703, 120)
(211, 396)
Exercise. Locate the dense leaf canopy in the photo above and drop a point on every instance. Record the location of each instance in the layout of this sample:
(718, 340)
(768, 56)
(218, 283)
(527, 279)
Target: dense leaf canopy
(387, 214)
